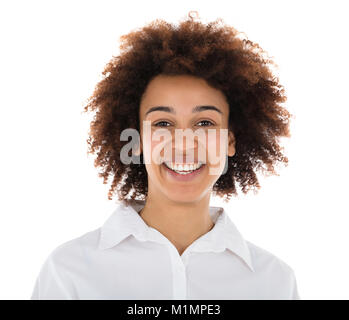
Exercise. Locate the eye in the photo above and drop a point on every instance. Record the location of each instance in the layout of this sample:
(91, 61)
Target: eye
(207, 121)
(157, 124)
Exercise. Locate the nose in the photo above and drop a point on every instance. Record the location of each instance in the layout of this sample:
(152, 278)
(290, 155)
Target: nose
(184, 151)
(183, 156)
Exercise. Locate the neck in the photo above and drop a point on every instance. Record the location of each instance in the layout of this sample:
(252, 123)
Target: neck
(180, 222)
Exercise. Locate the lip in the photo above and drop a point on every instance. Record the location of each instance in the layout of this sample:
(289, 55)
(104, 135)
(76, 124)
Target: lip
(183, 177)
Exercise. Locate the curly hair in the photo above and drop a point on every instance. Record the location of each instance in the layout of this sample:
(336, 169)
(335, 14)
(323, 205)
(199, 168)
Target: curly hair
(214, 52)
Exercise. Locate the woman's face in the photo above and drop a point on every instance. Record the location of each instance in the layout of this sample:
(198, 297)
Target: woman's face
(180, 95)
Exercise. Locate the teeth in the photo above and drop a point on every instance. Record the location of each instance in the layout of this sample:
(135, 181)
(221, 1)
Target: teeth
(185, 167)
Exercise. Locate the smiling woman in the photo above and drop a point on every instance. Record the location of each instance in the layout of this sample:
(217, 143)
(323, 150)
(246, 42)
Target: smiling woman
(233, 70)
(164, 240)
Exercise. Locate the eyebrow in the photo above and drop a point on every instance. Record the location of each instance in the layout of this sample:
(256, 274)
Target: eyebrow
(172, 110)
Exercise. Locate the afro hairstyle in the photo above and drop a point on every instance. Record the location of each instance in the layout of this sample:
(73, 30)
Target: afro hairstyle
(215, 52)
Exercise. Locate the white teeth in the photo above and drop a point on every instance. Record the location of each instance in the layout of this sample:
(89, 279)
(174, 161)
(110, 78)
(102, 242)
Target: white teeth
(184, 168)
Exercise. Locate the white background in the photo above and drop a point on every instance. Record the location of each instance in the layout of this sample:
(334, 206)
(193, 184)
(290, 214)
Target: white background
(51, 56)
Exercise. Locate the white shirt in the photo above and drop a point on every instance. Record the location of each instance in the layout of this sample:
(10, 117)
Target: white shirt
(127, 259)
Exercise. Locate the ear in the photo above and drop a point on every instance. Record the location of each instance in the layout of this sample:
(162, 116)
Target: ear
(231, 145)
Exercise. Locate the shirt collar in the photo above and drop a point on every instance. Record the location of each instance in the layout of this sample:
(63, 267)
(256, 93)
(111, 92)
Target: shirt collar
(125, 221)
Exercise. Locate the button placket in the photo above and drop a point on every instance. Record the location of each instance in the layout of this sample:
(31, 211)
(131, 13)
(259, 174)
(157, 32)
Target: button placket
(179, 281)
(179, 275)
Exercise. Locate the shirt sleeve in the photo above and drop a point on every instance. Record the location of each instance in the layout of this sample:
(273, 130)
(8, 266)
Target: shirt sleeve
(50, 284)
(294, 293)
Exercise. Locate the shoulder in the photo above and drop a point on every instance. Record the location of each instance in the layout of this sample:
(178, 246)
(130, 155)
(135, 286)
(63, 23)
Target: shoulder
(77, 248)
(263, 258)
(78, 245)
(63, 266)
(273, 271)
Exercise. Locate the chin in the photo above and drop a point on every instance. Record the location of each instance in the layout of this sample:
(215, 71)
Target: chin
(184, 196)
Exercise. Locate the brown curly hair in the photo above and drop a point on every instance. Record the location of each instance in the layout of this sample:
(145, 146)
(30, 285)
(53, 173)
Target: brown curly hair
(213, 52)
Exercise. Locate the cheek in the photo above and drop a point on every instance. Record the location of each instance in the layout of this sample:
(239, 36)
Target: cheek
(217, 152)
(152, 152)
(216, 145)
(151, 157)
(155, 145)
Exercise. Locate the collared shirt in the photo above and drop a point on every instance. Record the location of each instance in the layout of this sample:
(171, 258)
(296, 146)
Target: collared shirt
(127, 259)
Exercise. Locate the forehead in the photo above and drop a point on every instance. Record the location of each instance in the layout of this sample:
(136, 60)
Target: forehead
(183, 91)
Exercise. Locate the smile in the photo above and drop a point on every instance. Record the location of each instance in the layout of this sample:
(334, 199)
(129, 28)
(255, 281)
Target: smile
(189, 174)
(184, 168)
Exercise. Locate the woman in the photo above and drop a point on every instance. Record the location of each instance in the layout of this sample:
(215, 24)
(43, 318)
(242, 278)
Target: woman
(164, 240)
